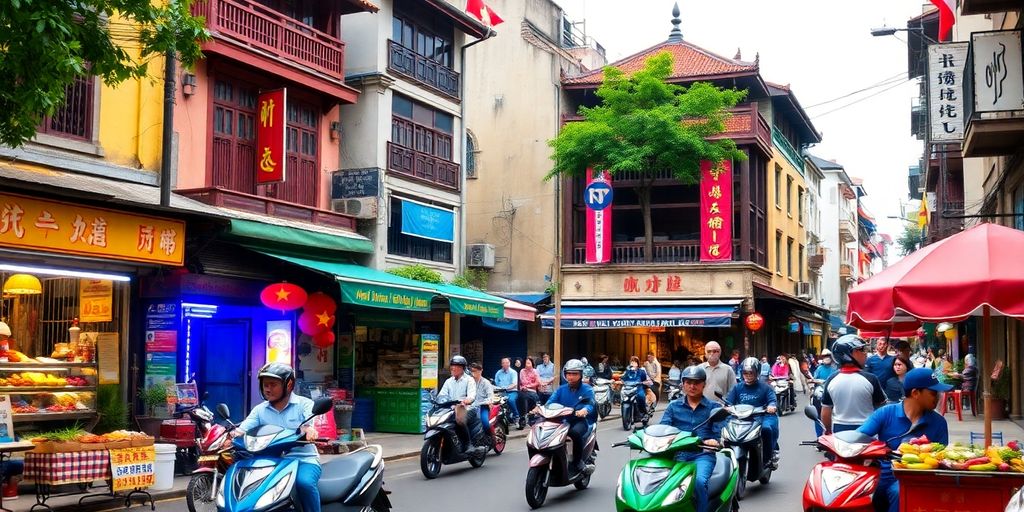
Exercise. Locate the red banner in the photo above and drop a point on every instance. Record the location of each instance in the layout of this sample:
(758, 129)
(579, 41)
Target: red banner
(716, 211)
(270, 136)
(598, 197)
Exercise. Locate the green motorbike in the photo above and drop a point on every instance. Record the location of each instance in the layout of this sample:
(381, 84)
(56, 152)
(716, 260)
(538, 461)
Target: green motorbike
(657, 481)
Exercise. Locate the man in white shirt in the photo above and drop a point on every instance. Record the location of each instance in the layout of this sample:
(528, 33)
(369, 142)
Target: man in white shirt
(462, 387)
(720, 376)
(653, 368)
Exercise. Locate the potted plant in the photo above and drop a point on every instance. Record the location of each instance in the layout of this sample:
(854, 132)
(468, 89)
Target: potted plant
(154, 398)
(1001, 394)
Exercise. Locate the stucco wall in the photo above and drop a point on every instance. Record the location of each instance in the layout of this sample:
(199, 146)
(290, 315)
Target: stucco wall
(779, 219)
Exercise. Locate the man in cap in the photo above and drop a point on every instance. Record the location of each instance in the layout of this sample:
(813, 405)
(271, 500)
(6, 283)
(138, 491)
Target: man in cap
(692, 413)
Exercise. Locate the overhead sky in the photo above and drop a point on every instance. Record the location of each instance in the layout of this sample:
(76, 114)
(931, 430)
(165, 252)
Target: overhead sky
(823, 49)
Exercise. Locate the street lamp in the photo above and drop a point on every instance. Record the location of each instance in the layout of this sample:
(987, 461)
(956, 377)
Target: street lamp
(888, 31)
(904, 219)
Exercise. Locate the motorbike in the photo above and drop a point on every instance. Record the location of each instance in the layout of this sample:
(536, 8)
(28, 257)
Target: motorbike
(848, 481)
(659, 482)
(261, 478)
(674, 391)
(442, 443)
(214, 459)
(548, 447)
(751, 445)
(603, 396)
(783, 395)
(629, 407)
(498, 421)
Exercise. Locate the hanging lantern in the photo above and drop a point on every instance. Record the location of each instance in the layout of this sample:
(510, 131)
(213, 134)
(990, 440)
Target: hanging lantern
(308, 323)
(22, 284)
(754, 322)
(321, 302)
(950, 334)
(283, 296)
(323, 340)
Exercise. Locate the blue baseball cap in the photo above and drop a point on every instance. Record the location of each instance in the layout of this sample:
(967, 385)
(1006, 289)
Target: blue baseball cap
(922, 378)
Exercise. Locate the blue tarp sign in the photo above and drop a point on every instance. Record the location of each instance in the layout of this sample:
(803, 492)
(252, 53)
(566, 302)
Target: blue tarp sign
(428, 222)
(501, 323)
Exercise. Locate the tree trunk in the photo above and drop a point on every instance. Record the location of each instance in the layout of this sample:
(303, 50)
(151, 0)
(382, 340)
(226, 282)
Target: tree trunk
(643, 193)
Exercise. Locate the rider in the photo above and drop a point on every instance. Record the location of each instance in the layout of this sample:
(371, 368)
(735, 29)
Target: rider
(285, 409)
(852, 393)
(826, 367)
(636, 374)
(685, 414)
(753, 392)
(588, 371)
(484, 396)
(508, 380)
(572, 394)
(462, 388)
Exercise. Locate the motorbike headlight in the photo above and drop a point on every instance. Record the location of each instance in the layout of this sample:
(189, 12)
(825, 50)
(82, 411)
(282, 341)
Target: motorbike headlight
(678, 493)
(275, 493)
(220, 496)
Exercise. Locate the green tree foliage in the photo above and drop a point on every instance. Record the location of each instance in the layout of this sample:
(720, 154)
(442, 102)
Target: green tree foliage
(645, 125)
(418, 273)
(910, 239)
(475, 278)
(46, 44)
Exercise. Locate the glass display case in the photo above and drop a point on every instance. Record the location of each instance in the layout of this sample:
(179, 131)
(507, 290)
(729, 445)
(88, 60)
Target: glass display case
(49, 391)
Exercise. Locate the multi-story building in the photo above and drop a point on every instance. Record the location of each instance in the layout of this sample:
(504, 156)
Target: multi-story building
(839, 235)
(815, 248)
(669, 302)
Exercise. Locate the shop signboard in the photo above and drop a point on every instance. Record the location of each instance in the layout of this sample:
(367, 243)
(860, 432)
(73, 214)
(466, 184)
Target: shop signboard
(598, 197)
(95, 300)
(476, 308)
(652, 284)
(626, 323)
(426, 221)
(946, 63)
(161, 343)
(998, 71)
(365, 294)
(53, 226)
(429, 355)
(716, 211)
(271, 129)
(132, 468)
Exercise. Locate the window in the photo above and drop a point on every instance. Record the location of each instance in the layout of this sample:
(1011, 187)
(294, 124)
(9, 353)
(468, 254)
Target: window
(1018, 207)
(471, 151)
(400, 244)
(778, 252)
(422, 128)
(800, 262)
(789, 196)
(74, 119)
(800, 204)
(778, 186)
(789, 257)
(426, 41)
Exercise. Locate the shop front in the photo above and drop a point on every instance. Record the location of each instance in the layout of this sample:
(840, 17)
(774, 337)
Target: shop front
(791, 325)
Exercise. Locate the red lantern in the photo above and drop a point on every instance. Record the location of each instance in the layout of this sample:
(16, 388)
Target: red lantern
(319, 302)
(283, 296)
(755, 322)
(308, 323)
(323, 340)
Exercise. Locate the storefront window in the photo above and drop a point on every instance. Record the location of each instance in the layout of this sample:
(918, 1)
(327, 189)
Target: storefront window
(1018, 207)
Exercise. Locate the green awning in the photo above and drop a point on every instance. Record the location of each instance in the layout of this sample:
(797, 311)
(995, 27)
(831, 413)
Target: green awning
(364, 286)
(291, 240)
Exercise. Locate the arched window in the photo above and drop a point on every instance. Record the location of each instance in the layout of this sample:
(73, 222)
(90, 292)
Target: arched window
(471, 154)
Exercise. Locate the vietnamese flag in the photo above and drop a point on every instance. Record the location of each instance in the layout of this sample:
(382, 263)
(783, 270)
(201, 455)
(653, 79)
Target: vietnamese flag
(482, 12)
(947, 17)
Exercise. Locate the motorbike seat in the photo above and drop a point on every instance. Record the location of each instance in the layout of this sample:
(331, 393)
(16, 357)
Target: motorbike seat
(339, 476)
(720, 475)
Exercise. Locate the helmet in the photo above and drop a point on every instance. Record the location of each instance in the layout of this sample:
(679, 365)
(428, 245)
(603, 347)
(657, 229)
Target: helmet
(826, 352)
(4, 329)
(693, 373)
(844, 347)
(279, 371)
(458, 361)
(750, 364)
(573, 365)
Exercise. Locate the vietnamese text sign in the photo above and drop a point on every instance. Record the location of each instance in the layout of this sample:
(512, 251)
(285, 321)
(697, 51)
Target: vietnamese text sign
(95, 300)
(132, 468)
(624, 323)
(53, 226)
(715, 211)
(385, 297)
(946, 63)
(271, 128)
(998, 73)
(598, 197)
(348, 183)
(429, 349)
(425, 221)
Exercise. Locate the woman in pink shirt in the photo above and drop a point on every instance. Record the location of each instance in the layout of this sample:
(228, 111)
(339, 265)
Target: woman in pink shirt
(781, 368)
(529, 383)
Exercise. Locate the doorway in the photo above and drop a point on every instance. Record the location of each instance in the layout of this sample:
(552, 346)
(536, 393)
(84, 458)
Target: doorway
(224, 364)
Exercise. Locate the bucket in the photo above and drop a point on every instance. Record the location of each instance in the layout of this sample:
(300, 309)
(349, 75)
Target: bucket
(163, 469)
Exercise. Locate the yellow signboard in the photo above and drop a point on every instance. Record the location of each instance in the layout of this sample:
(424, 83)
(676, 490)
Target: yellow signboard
(27, 223)
(95, 300)
(132, 468)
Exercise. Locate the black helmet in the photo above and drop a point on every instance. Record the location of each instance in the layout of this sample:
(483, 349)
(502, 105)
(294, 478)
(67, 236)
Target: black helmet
(750, 364)
(458, 361)
(843, 348)
(693, 373)
(279, 371)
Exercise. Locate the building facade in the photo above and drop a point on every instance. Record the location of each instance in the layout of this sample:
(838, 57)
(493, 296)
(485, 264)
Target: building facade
(839, 234)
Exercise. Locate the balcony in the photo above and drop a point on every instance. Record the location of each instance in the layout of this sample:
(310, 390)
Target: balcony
(409, 64)
(845, 271)
(422, 166)
(233, 200)
(788, 151)
(988, 6)
(270, 32)
(847, 231)
(668, 251)
(815, 262)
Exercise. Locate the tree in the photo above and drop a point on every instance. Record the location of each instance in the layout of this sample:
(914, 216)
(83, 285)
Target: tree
(910, 239)
(46, 44)
(646, 125)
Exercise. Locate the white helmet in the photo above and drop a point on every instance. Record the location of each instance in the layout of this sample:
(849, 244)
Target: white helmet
(826, 352)
(4, 329)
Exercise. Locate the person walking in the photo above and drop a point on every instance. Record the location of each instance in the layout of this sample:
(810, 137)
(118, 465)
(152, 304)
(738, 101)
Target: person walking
(653, 367)
(719, 376)
(851, 394)
(880, 363)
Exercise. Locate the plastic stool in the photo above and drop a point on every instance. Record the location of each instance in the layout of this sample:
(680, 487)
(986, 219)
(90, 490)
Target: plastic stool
(955, 397)
(997, 437)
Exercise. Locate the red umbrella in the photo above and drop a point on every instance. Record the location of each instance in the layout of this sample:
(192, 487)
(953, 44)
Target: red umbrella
(975, 272)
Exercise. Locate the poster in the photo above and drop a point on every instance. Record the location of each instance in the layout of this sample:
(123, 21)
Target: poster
(429, 345)
(132, 468)
(279, 342)
(186, 395)
(6, 419)
(598, 197)
(95, 300)
(161, 344)
(108, 355)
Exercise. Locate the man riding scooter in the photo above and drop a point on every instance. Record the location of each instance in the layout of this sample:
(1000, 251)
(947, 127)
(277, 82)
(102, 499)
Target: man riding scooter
(463, 388)
(571, 394)
(688, 413)
(285, 409)
(752, 391)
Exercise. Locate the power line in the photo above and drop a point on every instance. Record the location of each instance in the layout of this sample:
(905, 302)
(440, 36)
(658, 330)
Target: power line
(881, 83)
(893, 86)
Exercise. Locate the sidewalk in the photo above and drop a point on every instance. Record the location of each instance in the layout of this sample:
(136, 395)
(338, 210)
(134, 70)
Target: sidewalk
(961, 430)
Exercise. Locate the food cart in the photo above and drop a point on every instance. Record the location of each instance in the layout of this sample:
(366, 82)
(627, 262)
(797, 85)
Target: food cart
(958, 477)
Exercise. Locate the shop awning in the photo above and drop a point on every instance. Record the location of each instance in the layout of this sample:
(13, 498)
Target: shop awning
(287, 239)
(517, 311)
(627, 316)
(365, 286)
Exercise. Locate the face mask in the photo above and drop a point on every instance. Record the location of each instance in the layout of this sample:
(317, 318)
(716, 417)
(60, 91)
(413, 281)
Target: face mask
(826, 360)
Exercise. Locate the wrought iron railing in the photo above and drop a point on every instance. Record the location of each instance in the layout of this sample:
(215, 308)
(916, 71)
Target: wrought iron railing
(433, 74)
(792, 155)
(669, 251)
(423, 166)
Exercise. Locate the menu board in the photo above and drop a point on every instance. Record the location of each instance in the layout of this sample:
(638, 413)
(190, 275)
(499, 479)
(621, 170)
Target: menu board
(161, 344)
(109, 357)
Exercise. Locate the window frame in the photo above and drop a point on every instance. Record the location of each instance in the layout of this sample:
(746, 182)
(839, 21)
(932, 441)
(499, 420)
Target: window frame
(778, 252)
(395, 235)
(789, 257)
(778, 186)
(789, 196)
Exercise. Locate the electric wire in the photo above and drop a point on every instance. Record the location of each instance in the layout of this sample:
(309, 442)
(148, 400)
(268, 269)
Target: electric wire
(858, 100)
(887, 81)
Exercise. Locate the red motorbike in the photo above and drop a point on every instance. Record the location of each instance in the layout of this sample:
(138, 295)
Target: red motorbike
(214, 458)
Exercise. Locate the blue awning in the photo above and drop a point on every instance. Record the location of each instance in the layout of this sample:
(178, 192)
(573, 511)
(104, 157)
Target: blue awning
(623, 317)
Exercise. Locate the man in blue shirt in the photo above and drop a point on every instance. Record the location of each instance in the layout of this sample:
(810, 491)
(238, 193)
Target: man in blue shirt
(686, 414)
(546, 376)
(507, 379)
(571, 394)
(892, 424)
(758, 394)
(288, 410)
(880, 363)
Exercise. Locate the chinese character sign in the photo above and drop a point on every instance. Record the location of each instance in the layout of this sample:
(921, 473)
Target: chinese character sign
(35, 224)
(716, 211)
(998, 71)
(946, 63)
(132, 468)
(270, 136)
(652, 284)
(598, 198)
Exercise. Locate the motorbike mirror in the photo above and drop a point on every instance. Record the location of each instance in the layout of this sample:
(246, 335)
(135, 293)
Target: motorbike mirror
(811, 412)
(719, 395)
(322, 405)
(719, 414)
(223, 411)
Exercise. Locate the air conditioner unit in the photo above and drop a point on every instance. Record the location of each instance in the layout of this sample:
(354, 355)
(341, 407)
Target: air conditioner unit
(358, 207)
(803, 290)
(480, 255)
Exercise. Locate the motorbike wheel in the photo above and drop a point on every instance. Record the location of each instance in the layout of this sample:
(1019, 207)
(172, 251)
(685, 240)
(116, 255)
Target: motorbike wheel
(627, 418)
(500, 437)
(536, 486)
(198, 496)
(582, 483)
(606, 409)
(430, 459)
(478, 460)
(741, 482)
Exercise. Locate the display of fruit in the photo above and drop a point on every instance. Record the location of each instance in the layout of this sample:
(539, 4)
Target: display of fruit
(24, 409)
(37, 379)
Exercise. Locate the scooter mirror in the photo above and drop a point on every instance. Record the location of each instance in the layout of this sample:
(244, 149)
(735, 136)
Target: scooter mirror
(223, 411)
(719, 395)
(322, 405)
(811, 412)
(719, 414)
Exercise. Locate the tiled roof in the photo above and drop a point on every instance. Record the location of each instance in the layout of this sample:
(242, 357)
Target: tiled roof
(688, 61)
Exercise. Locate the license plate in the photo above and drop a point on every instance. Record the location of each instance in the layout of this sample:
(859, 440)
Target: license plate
(208, 458)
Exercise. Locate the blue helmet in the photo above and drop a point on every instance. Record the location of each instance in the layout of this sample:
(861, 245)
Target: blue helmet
(844, 347)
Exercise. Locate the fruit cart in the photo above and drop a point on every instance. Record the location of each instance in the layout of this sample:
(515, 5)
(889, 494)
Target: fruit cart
(958, 477)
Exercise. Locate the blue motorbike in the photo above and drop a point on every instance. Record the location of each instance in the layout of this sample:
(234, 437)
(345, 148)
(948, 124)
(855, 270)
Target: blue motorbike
(263, 480)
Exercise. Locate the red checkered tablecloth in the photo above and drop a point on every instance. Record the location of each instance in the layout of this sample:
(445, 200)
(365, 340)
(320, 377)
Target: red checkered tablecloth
(68, 467)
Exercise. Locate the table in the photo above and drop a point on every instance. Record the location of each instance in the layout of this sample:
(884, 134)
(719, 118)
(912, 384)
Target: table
(49, 469)
(6, 449)
(960, 491)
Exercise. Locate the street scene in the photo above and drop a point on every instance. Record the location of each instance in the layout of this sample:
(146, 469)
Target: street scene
(375, 255)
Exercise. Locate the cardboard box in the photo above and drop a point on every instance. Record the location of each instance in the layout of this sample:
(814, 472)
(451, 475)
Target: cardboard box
(116, 445)
(92, 447)
(142, 441)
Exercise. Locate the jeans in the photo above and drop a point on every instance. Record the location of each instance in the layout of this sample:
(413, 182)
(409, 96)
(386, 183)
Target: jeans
(476, 429)
(577, 430)
(529, 400)
(513, 400)
(839, 427)
(887, 495)
(770, 423)
(542, 397)
(485, 418)
(306, 486)
(705, 464)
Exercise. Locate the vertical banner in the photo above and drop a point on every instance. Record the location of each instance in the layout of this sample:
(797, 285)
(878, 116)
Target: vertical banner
(998, 71)
(271, 131)
(279, 342)
(716, 211)
(162, 323)
(946, 64)
(598, 197)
